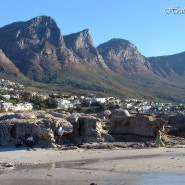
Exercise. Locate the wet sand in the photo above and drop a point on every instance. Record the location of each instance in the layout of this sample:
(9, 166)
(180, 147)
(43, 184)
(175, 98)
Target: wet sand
(81, 167)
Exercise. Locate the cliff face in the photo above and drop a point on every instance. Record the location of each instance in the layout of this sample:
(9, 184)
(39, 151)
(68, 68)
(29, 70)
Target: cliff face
(82, 46)
(36, 47)
(39, 50)
(122, 56)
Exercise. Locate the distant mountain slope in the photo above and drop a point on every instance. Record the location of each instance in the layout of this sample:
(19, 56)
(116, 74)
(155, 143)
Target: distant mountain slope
(123, 57)
(8, 69)
(37, 49)
(169, 66)
(6, 65)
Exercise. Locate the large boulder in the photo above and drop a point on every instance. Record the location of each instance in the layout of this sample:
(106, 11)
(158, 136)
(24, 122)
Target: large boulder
(119, 113)
(38, 124)
(176, 123)
(88, 129)
(104, 114)
(64, 115)
(79, 128)
(139, 125)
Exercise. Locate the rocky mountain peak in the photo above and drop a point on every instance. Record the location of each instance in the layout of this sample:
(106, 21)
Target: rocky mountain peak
(33, 32)
(79, 40)
(82, 45)
(35, 46)
(122, 56)
(47, 20)
(117, 43)
(42, 29)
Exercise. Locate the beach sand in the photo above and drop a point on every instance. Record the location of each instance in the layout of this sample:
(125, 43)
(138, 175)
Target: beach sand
(116, 166)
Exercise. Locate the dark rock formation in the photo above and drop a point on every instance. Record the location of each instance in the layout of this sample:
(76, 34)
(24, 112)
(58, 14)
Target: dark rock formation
(176, 124)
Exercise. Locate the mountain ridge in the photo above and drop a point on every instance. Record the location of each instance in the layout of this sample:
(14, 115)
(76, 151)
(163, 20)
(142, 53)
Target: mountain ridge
(122, 56)
(38, 50)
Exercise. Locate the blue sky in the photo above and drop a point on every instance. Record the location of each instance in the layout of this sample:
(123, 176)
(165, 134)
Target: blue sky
(143, 22)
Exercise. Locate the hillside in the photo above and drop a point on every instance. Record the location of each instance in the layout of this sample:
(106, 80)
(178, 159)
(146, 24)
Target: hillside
(170, 67)
(37, 49)
(8, 69)
(123, 57)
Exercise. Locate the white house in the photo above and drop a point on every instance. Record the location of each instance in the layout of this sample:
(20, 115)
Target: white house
(126, 105)
(62, 103)
(113, 100)
(17, 107)
(7, 106)
(28, 106)
(101, 100)
(7, 96)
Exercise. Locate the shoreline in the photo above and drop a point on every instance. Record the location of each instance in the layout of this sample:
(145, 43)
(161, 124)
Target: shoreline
(91, 165)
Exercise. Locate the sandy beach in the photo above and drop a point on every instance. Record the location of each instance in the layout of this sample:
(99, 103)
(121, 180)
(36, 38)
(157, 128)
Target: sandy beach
(127, 166)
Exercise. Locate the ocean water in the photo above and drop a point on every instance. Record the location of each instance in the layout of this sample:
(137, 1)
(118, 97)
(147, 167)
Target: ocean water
(162, 179)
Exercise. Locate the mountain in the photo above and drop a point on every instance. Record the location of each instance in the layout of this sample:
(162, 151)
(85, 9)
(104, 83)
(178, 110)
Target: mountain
(36, 50)
(36, 47)
(170, 67)
(82, 46)
(8, 69)
(123, 57)
(6, 65)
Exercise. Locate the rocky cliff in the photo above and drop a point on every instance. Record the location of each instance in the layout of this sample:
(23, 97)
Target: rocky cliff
(81, 44)
(43, 127)
(122, 56)
(36, 47)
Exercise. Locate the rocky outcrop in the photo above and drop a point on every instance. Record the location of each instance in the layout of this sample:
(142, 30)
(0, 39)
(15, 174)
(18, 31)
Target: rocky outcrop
(36, 46)
(122, 56)
(176, 124)
(119, 113)
(88, 129)
(40, 125)
(43, 126)
(81, 44)
(136, 125)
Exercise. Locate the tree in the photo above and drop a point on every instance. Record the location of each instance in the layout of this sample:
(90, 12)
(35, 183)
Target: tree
(50, 103)
(26, 96)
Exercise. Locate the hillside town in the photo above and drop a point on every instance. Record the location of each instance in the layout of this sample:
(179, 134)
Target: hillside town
(84, 119)
(12, 98)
